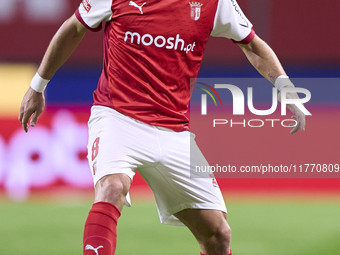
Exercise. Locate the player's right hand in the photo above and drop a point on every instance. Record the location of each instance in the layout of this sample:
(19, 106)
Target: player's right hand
(299, 116)
(33, 103)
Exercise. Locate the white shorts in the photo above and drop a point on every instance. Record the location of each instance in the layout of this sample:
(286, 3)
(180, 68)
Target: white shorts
(120, 144)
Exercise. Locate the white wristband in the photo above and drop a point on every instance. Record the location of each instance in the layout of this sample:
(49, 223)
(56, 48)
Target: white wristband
(38, 83)
(283, 81)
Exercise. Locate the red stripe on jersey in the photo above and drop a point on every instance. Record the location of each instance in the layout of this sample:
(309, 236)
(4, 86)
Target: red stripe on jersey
(248, 39)
(83, 22)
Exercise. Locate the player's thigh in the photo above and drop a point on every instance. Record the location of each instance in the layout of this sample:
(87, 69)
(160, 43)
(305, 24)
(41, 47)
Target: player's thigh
(205, 223)
(116, 148)
(105, 144)
(174, 182)
(117, 144)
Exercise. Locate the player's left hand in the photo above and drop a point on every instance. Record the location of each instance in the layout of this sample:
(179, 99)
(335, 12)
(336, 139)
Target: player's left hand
(299, 116)
(33, 103)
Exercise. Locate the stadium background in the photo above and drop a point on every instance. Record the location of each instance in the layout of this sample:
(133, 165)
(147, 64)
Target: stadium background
(45, 174)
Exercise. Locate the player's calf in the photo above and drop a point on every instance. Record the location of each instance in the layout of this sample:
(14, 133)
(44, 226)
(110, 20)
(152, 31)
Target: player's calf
(100, 231)
(210, 229)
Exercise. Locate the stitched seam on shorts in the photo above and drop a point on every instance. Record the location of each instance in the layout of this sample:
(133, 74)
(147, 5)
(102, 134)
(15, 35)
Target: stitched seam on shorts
(159, 162)
(159, 148)
(203, 206)
(200, 205)
(170, 185)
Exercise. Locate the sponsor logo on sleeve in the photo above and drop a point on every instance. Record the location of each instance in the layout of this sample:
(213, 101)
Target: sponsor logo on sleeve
(239, 12)
(87, 5)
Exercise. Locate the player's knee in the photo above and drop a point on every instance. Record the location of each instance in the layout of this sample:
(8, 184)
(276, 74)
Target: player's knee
(223, 235)
(112, 188)
(219, 239)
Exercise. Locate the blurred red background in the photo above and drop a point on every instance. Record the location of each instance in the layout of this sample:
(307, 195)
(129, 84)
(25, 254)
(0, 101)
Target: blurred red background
(301, 32)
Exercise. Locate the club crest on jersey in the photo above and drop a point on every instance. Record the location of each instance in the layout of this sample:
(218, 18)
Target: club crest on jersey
(214, 182)
(195, 10)
(87, 5)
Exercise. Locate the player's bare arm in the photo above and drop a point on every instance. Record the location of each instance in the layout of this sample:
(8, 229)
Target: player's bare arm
(60, 49)
(263, 58)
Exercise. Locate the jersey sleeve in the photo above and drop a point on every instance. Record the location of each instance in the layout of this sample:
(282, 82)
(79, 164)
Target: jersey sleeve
(230, 22)
(91, 13)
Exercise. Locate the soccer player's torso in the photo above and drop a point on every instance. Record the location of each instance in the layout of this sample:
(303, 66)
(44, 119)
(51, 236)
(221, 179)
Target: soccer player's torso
(151, 50)
(164, 26)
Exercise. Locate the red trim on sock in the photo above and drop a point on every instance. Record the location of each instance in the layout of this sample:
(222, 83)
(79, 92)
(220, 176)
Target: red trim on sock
(218, 254)
(100, 231)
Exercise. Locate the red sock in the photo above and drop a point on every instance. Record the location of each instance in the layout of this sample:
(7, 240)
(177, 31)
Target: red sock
(230, 253)
(100, 234)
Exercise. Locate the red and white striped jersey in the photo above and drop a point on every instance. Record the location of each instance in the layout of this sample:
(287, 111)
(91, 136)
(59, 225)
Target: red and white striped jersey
(151, 50)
